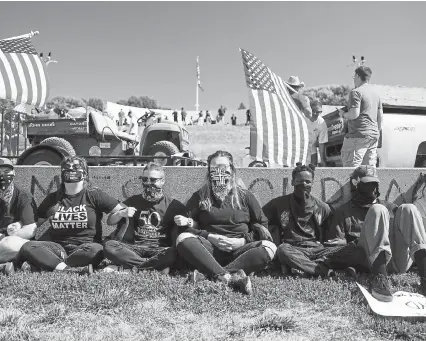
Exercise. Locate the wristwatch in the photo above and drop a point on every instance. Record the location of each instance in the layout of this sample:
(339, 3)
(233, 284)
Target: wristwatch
(190, 222)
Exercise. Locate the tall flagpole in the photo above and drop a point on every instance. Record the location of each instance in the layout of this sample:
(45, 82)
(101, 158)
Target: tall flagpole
(197, 105)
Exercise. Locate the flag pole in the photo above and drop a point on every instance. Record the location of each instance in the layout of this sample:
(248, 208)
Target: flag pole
(28, 35)
(197, 105)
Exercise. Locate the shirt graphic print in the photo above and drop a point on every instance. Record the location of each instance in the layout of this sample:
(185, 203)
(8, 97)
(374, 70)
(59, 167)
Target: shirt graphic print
(74, 217)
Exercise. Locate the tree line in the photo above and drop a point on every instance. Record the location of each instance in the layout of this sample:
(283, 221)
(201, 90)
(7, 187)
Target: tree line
(328, 95)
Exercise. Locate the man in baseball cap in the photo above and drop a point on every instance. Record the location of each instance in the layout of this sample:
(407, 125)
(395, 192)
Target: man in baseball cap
(380, 236)
(17, 217)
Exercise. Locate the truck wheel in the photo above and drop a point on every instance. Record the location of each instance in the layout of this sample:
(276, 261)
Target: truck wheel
(61, 143)
(163, 148)
(257, 164)
(43, 157)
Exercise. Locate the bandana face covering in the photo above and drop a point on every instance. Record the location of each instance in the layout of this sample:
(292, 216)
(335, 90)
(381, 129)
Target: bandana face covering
(366, 194)
(72, 173)
(152, 189)
(220, 180)
(6, 180)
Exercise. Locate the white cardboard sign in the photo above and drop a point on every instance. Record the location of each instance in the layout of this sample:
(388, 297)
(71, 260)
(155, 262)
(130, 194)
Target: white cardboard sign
(404, 304)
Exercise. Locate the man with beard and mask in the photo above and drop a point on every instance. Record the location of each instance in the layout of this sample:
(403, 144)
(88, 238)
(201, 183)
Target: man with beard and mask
(146, 240)
(224, 234)
(75, 214)
(298, 222)
(17, 217)
(380, 237)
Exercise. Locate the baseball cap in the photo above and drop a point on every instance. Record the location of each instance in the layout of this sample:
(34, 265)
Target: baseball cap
(366, 173)
(6, 163)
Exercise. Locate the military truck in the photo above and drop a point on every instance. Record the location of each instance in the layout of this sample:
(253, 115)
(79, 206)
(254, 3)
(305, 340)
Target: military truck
(403, 141)
(97, 138)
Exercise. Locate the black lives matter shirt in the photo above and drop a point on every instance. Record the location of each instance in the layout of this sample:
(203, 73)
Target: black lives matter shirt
(21, 208)
(77, 219)
(153, 223)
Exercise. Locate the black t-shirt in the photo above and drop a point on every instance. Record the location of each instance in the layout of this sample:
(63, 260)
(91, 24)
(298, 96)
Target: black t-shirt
(225, 220)
(77, 218)
(349, 218)
(278, 212)
(234, 120)
(153, 223)
(21, 208)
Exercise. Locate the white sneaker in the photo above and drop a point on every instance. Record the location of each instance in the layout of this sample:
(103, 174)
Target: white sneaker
(111, 268)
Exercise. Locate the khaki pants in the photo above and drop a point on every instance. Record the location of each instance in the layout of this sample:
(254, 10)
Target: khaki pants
(359, 151)
(400, 238)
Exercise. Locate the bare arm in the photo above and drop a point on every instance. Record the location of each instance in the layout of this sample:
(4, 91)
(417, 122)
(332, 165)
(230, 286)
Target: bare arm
(380, 117)
(352, 114)
(322, 153)
(116, 214)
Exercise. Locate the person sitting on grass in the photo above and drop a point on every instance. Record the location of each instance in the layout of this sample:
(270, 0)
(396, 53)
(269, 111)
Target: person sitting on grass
(146, 234)
(17, 217)
(75, 213)
(298, 222)
(224, 235)
(380, 237)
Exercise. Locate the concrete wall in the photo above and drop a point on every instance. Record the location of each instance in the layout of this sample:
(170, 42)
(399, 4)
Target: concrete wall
(331, 184)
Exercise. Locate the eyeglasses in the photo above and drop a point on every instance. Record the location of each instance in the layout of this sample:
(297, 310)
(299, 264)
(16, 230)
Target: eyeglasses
(147, 180)
(74, 166)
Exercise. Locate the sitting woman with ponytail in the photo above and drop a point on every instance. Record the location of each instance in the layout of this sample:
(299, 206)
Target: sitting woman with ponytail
(75, 212)
(224, 235)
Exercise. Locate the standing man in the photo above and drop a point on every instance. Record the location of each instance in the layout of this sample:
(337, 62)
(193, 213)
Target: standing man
(121, 115)
(234, 120)
(318, 133)
(301, 101)
(183, 114)
(133, 125)
(221, 113)
(175, 116)
(248, 117)
(365, 117)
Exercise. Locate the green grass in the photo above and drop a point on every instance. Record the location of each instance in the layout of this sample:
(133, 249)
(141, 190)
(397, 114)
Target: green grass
(205, 140)
(152, 306)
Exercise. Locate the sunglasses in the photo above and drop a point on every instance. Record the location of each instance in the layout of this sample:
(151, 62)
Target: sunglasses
(75, 167)
(146, 179)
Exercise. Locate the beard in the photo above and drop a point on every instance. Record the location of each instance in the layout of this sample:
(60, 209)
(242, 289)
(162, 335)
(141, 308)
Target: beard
(220, 191)
(152, 193)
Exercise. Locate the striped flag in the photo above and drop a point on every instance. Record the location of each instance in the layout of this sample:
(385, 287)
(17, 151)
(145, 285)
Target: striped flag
(198, 75)
(278, 132)
(23, 77)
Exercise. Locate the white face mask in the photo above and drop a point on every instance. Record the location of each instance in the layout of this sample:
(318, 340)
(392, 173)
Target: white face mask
(220, 180)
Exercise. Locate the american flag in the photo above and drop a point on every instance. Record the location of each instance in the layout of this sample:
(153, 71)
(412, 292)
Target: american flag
(278, 132)
(198, 75)
(23, 77)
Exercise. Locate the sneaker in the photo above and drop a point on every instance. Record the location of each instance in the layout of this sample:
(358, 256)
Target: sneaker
(286, 270)
(242, 282)
(195, 277)
(380, 288)
(165, 271)
(111, 268)
(27, 267)
(351, 272)
(7, 268)
(90, 270)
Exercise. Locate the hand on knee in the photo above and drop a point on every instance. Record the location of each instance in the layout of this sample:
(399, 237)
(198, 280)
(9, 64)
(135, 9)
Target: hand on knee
(270, 248)
(183, 236)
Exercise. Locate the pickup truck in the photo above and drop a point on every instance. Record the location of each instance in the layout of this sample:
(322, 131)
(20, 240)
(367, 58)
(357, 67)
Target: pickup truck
(403, 139)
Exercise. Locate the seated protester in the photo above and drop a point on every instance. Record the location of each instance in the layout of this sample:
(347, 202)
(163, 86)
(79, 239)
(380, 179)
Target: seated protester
(17, 217)
(380, 236)
(147, 239)
(299, 220)
(75, 213)
(225, 236)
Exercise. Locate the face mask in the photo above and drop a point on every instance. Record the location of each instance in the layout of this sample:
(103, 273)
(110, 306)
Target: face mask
(153, 191)
(72, 173)
(220, 180)
(5, 181)
(366, 193)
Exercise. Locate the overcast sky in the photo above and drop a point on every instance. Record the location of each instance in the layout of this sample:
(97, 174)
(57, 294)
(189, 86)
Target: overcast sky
(113, 50)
